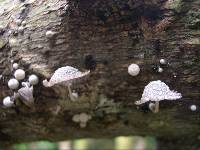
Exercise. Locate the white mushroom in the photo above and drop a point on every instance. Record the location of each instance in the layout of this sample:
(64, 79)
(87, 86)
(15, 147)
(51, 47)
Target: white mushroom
(15, 66)
(33, 79)
(26, 94)
(160, 69)
(19, 74)
(13, 84)
(65, 76)
(133, 69)
(163, 61)
(7, 102)
(50, 34)
(193, 107)
(157, 91)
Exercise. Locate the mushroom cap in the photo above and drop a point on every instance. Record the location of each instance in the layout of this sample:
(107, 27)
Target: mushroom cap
(15, 65)
(13, 84)
(33, 79)
(26, 95)
(157, 91)
(65, 76)
(133, 69)
(7, 102)
(19, 74)
(163, 61)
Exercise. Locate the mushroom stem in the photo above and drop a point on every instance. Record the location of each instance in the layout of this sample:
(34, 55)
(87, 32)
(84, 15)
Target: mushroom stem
(156, 107)
(70, 93)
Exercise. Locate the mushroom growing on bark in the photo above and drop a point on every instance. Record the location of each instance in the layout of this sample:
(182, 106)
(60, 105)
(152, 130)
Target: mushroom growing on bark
(157, 91)
(65, 76)
(26, 94)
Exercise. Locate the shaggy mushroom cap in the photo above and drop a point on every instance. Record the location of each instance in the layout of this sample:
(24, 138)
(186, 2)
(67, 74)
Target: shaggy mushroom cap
(26, 94)
(65, 76)
(157, 91)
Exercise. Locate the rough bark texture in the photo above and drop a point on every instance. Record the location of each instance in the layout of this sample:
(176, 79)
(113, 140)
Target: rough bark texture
(104, 36)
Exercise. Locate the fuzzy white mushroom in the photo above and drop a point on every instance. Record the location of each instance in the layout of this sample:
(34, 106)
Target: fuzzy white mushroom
(133, 69)
(163, 61)
(19, 74)
(65, 76)
(13, 84)
(33, 79)
(15, 66)
(160, 69)
(26, 94)
(193, 107)
(50, 34)
(157, 91)
(7, 102)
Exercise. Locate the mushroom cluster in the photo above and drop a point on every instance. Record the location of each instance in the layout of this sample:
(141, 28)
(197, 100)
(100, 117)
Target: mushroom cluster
(24, 91)
(82, 119)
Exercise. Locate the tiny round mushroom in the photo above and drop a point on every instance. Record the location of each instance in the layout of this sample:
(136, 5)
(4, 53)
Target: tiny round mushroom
(15, 66)
(133, 69)
(7, 102)
(160, 69)
(76, 118)
(13, 84)
(163, 61)
(193, 107)
(33, 79)
(50, 34)
(19, 74)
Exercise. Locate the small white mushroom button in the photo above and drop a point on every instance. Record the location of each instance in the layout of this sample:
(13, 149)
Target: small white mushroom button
(50, 34)
(15, 66)
(7, 102)
(13, 84)
(163, 61)
(193, 107)
(33, 79)
(19, 74)
(160, 69)
(133, 69)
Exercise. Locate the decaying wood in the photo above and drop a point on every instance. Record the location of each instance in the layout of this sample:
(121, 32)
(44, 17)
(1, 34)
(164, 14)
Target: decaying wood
(104, 36)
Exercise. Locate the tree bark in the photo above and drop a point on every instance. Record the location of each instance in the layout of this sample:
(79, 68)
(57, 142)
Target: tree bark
(105, 36)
